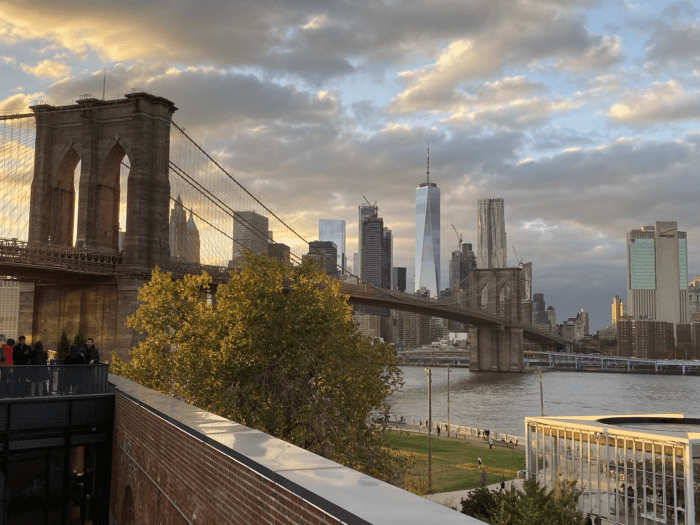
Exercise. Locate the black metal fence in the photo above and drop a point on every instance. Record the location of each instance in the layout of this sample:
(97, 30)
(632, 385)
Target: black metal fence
(55, 379)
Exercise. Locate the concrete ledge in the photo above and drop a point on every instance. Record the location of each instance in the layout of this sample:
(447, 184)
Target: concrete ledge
(344, 494)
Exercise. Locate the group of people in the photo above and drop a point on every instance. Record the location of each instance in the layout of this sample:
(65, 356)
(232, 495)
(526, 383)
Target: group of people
(25, 369)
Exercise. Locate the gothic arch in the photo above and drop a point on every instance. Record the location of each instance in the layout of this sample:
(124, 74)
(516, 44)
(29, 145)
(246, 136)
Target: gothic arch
(61, 199)
(107, 196)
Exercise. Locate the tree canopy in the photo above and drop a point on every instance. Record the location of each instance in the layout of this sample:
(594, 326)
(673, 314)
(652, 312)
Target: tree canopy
(278, 352)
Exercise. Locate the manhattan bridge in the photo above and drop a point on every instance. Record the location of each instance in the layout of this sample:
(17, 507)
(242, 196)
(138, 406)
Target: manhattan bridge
(88, 192)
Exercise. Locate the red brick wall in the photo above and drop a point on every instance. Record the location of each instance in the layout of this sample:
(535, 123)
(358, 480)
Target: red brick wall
(172, 473)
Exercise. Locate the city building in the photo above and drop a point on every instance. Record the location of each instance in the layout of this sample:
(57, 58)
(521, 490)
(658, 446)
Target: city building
(491, 232)
(657, 275)
(552, 318)
(334, 230)
(373, 265)
(279, 251)
(327, 253)
(365, 210)
(607, 334)
(388, 258)
(645, 338)
(582, 324)
(184, 236)
(398, 279)
(427, 246)
(9, 308)
(619, 310)
(694, 299)
(461, 264)
(633, 469)
(250, 233)
(539, 311)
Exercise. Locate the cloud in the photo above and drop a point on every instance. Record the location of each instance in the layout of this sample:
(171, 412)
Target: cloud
(677, 41)
(597, 57)
(660, 103)
(19, 102)
(47, 69)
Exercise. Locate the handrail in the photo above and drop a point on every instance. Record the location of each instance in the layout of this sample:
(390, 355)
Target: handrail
(57, 257)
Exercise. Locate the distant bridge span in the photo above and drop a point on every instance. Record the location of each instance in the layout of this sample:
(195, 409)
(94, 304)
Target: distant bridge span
(46, 264)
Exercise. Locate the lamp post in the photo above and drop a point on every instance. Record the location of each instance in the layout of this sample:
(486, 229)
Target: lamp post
(448, 400)
(430, 430)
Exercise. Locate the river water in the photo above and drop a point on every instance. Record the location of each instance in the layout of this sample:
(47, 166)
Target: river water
(501, 401)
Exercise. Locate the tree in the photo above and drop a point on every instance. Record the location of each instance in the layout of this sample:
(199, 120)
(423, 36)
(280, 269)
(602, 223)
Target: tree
(79, 339)
(63, 345)
(533, 505)
(280, 353)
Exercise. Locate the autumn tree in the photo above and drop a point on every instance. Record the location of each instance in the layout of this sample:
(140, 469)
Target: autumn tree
(279, 352)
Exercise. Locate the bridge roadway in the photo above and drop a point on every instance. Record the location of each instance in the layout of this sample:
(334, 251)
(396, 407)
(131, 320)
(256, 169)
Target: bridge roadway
(47, 264)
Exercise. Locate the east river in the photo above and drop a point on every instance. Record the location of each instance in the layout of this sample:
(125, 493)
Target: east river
(500, 402)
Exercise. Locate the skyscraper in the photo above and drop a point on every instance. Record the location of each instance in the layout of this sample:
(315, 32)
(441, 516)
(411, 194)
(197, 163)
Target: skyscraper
(398, 279)
(491, 231)
(657, 273)
(334, 230)
(427, 247)
(373, 262)
(364, 211)
(250, 232)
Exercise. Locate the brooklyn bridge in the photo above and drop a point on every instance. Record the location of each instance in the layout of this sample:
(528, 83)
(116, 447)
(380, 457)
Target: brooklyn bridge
(89, 192)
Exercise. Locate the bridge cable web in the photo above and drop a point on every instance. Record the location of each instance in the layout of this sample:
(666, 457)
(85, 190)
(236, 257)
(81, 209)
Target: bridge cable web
(17, 138)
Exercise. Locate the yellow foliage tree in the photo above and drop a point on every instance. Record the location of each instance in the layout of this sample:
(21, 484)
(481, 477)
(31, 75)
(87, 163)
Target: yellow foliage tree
(279, 352)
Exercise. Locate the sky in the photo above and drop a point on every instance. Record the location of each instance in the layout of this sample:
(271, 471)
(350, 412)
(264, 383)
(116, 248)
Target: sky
(582, 115)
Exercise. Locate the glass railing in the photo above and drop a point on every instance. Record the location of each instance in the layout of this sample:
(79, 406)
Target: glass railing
(56, 379)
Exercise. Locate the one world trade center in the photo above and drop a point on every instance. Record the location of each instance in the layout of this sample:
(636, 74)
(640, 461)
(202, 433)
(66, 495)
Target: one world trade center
(428, 235)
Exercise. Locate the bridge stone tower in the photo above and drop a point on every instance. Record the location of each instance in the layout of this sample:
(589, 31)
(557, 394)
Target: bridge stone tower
(100, 135)
(498, 291)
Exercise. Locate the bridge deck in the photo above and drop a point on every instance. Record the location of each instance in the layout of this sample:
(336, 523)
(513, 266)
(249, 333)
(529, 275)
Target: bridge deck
(49, 264)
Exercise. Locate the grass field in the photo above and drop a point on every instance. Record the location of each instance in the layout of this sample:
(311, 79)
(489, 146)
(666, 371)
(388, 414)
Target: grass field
(454, 461)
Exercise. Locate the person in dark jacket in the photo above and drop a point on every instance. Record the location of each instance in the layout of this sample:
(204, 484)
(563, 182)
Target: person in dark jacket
(20, 358)
(8, 377)
(93, 354)
(39, 373)
(73, 374)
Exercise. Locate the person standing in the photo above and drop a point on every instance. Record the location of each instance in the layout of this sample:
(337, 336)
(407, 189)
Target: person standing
(503, 485)
(39, 373)
(483, 478)
(20, 360)
(478, 460)
(438, 429)
(490, 443)
(92, 357)
(7, 378)
(73, 374)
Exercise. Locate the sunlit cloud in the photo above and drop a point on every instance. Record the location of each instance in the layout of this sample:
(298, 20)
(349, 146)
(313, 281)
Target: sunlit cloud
(662, 102)
(47, 69)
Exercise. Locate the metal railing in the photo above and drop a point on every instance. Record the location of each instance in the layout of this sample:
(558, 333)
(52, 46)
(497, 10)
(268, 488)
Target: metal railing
(56, 379)
(55, 257)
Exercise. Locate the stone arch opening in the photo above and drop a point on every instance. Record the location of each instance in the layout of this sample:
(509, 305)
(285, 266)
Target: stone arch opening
(483, 297)
(61, 218)
(111, 200)
(503, 300)
(128, 511)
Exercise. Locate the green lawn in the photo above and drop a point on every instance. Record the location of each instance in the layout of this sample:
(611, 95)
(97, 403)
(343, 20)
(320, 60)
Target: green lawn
(454, 461)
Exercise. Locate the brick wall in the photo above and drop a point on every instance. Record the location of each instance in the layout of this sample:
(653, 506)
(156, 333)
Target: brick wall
(175, 464)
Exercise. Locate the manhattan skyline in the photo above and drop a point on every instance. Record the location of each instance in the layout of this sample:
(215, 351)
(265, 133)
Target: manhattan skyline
(583, 117)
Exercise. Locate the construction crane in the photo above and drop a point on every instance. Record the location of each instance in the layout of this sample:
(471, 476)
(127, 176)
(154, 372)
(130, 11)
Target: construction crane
(372, 205)
(459, 237)
(520, 261)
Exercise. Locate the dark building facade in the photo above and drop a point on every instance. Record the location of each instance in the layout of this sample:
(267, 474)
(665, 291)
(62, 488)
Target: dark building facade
(398, 280)
(644, 338)
(327, 252)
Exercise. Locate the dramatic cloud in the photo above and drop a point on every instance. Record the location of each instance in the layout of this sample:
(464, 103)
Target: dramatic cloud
(662, 102)
(587, 128)
(47, 69)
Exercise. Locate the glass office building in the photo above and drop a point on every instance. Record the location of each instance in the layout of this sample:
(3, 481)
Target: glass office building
(641, 469)
(334, 230)
(428, 237)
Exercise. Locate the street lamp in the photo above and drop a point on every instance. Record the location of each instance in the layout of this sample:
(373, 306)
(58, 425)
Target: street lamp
(448, 400)
(430, 429)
